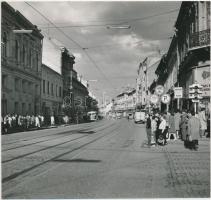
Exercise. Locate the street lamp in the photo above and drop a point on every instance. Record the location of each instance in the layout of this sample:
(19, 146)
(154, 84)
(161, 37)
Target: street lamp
(118, 27)
(22, 31)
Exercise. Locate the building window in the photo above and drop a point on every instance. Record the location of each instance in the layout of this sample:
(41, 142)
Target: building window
(4, 81)
(36, 90)
(17, 82)
(43, 86)
(4, 107)
(30, 58)
(36, 62)
(16, 108)
(16, 50)
(29, 109)
(23, 108)
(52, 89)
(60, 91)
(23, 54)
(56, 90)
(29, 87)
(4, 45)
(48, 87)
(24, 86)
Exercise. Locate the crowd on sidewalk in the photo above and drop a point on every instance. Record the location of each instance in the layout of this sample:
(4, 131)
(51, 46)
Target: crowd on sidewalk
(186, 126)
(16, 123)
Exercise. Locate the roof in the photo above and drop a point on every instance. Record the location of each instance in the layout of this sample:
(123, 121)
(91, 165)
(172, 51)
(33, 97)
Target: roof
(53, 71)
(23, 21)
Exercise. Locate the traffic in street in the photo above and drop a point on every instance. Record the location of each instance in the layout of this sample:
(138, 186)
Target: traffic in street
(102, 159)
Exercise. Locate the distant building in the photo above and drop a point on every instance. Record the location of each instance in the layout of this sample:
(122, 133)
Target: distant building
(72, 86)
(51, 92)
(21, 58)
(125, 101)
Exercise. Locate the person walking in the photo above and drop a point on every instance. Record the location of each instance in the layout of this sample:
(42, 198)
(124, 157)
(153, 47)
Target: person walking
(184, 125)
(177, 120)
(194, 127)
(162, 131)
(52, 120)
(37, 121)
(172, 130)
(203, 122)
(153, 131)
(148, 129)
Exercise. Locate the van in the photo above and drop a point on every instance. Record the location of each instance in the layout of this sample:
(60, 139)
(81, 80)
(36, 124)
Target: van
(139, 116)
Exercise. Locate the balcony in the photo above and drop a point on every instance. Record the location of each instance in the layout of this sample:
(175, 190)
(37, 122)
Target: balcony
(199, 39)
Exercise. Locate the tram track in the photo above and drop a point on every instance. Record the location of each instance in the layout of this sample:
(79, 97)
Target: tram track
(41, 136)
(45, 140)
(50, 147)
(24, 171)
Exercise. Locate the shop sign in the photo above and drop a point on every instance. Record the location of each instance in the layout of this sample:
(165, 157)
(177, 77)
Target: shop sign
(178, 92)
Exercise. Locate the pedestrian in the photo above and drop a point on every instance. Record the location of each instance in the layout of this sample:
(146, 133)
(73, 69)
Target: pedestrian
(157, 118)
(184, 125)
(148, 129)
(52, 120)
(177, 120)
(172, 129)
(162, 131)
(153, 131)
(203, 122)
(37, 121)
(194, 127)
(27, 121)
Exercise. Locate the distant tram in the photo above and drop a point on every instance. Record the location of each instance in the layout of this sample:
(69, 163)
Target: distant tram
(92, 116)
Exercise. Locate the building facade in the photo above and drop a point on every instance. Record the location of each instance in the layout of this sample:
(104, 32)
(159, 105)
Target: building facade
(73, 89)
(193, 36)
(21, 58)
(51, 92)
(188, 58)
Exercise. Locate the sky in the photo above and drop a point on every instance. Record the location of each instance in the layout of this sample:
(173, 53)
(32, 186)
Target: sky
(110, 56)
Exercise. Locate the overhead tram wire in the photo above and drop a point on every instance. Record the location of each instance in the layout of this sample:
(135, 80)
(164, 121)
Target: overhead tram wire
(120, 23)
(71, 40)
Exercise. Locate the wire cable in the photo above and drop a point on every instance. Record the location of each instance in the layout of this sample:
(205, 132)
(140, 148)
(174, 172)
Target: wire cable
(70, 40)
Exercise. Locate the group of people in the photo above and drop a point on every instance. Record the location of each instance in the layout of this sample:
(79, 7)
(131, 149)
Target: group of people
(15, 122)
(187, 126)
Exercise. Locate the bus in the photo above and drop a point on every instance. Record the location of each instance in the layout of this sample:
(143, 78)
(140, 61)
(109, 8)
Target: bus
(92, 116)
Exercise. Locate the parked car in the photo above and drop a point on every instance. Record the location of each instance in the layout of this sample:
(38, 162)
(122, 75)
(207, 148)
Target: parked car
(140, 116)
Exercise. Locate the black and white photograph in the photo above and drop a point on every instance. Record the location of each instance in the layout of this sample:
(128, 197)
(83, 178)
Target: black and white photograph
(105, 99)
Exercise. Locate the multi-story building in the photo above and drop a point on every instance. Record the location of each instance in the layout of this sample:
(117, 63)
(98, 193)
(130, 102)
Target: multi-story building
(141, 84)
(51, 92)
(126, 101)
(21, 58)
(193, 36)
(72, 86)
(188, 58)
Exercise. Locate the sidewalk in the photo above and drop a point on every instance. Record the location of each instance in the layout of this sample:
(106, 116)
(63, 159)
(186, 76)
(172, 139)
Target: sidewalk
(189, 170)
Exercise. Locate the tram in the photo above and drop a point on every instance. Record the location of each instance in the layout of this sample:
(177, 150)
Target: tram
(92, 116)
